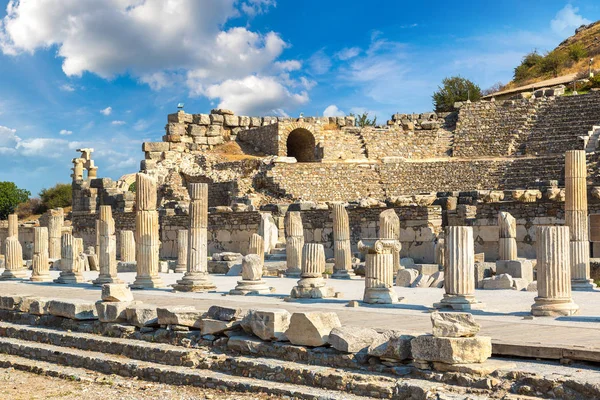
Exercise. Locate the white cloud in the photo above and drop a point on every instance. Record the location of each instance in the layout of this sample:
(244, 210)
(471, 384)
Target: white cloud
(8, 140)
(67, 87)
(319, 62)
(141, 125)
(333, 111)
(289, 65)
(254, 7)
(567, 20)
(65, 132)
(46, 147)
(118, 123)
(107, 111)
(348, 53)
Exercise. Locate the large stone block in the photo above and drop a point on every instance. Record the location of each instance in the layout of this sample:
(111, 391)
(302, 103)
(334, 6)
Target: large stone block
(179, 315)
(312, 328)
(516, 269)
(224, 313)
(482, 271)
(114, 311)
(210, 326)
(425, 269)
(39, 306)
(391, 345)
(406, 277)
(10, 302)
(142, 315)
(116, 292)
(455, 324)
(452, 350)
(267, 324)
(155, 146)
(498, 282)
(352, 339)
(73, 309)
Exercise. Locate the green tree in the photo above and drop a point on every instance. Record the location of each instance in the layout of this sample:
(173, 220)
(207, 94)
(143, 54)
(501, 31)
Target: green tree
(553, 62)
(60, 195)
(454, 89)
(363, 120)
(10, 197)
(529, 67)
(577, 52)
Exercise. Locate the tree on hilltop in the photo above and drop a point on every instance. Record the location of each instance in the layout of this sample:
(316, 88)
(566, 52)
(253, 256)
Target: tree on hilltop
(363, 120)
(60, 195)
(453, 89)
(10, 197)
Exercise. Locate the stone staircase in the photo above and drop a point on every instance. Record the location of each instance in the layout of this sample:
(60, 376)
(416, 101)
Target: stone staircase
(592, 139)
(278, 253)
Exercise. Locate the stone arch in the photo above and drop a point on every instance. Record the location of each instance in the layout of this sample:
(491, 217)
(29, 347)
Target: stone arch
(300, 144)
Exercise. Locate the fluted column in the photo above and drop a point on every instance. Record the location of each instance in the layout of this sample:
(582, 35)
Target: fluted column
(41, 262)
(389, 228)
(71, 270)
(107, 257)
(554, 273)
(146, 234)
(459, 275)
(13, 260)
(508, 236)
(127, 246)
(576, 218)
(56, 221)
(252, 282)
(342, 252)
(257, 246)
(13, 225)
(182, 251)
(312, 284)
(197, 279)
(294, 243)
(440, 250)
(379, 270)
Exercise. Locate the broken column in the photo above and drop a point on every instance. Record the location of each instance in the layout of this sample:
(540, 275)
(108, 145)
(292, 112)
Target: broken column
(553, 272)
(41, 262)
(70, 264)
(342, 252)
(127, 246)
(576, 218)
(107, 256)
(13, 225)
(252, 282)
(146, 234)
(197, 279)
(13, 263)
(182, 251)
(312, 285)
(508, 236)
(389, 228)
(459, 276)
(257, 246)
(56, 219)
(440, 250)
(294, 243)
(379, 270)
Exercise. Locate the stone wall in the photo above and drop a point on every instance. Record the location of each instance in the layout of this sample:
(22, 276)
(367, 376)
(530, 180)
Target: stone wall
(25, 238)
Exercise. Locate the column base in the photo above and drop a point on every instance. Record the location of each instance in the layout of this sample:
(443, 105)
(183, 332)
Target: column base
(312, 288)
(459, 303)
(244, 288)
(68, 278)
(180, 269)
(106, 279)
(195, 282)
(343, 274)
(583, 285)
(293, 273)
(14, 274)
(41, 278)
(147, 282)
(545, 307)
(380, 296)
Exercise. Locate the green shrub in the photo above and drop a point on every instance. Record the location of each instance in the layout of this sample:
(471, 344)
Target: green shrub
(553, 62)
(454, 89)
(10, 197)
(60, 195)
(577, 52)
(30, 207)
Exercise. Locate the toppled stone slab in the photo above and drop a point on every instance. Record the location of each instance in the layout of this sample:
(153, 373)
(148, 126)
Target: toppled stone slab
(267, 324)
(312, 328)
(520, 284)
(422, 281)
(39, 306)
(352, 339)
(437, 280)
(452, 350)
(73, 309)
(532, 287)
(142, 315)
(116, 292)
(455, 324)
(210, 326)
(406, 277)
(114, 311)
(391, 345)
(498, 282)
(179, 315)
(224, 313)
(516, 268)
(10, 302)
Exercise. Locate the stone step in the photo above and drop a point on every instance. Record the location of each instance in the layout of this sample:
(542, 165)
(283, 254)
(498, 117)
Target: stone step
(278, 251)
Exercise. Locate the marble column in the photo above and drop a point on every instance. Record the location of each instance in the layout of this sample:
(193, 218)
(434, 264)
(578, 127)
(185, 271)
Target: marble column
(576, 218)
(197, 279)
(440, 250)
(507, 249)
(553, 272)
(389, 228)
(379, 270)
(41, 262)
(312, 285)
(257, 246)
(459, 275)
(252, 282)
(13, 225)
(294, 243)
(182, 251)
(127, 246)
(70, 264)
(13, 263)
(107, 257)
(146, 234)
(56, 219)
(342, 252)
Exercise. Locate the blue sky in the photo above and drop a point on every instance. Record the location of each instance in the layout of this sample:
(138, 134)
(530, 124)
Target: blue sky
(105, 74)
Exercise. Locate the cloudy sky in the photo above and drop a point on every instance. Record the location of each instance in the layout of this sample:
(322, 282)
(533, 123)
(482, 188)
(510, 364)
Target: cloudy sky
(104, 74)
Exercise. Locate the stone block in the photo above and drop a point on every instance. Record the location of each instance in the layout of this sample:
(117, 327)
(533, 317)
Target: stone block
(455, 324)
(114, 311)
(155, 146)
(179, 315)
(25, 305)
(452, 350)
(437, 280)
(231, 121)
(10, 302)
(210, 326)
(201, 119)
(352, 339)
(520, 284)
(267, 324)
(255, 122)
(197, 130)
(532, 287)
(73, 309)
(516, 268)
(482, 271)
(391, 345)
(116, 292)
(180, 117)
(39, 306)
(498, 282)
(224, 313)
(244, 121)
(421, 281)
(479, 257)
(406, 277)
(312, 328)
(215, 140)
(407, 262)
(163, 267)
(216, 119)
(142, 315)
(425, 269)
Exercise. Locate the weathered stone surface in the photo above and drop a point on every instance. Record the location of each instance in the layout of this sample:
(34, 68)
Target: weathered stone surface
(252, 267)
(454, 324)
(452, 350)
(210, 326)
(498, 282)
(267, 324)
(114, 311)
(142, 315)
(421, 281)
(312, 328)
(179, 315)
(516, 269)
(520, 284)
(224, 313)
(73, 309)
(532, 287)
(406, 277)
(437, 280)
(352, 339)
(39, 306)
(391, 345)
(116, 292)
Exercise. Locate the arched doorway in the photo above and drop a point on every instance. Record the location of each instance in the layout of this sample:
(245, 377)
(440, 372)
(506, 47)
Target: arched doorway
(301, 145)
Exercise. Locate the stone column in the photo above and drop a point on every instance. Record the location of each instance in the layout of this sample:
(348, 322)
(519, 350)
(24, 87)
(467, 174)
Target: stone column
(379, 270)
(252, 282)
(146, 234)
(576, 218)
(107, 257)
(554, 272)
(56, 219)
(389, 228)
(13, 262)
(257, 246)
(97, 245)
(312, 285)
(294, 243)
(197, 279)
(459, 275)
(182, 251)
(41, 262)
(70, 265)
(440, 250)
(508, 236)
(13, 225)
(127, 246)
(342, 252)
